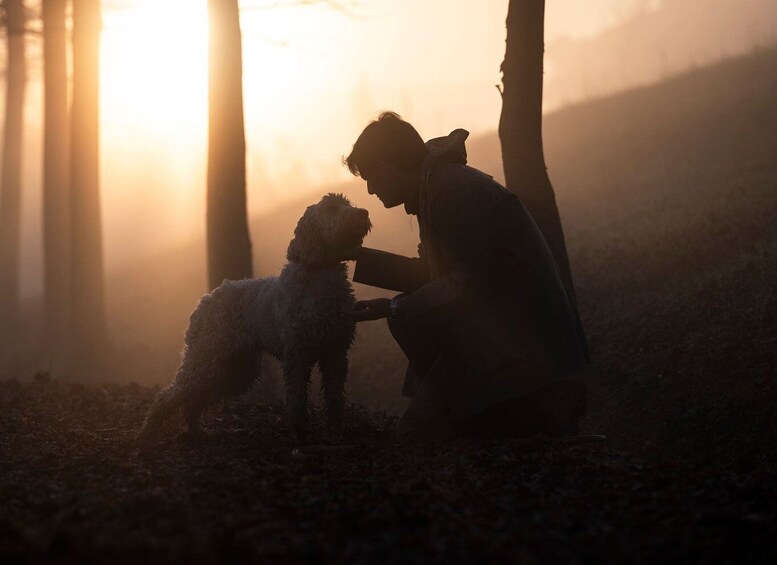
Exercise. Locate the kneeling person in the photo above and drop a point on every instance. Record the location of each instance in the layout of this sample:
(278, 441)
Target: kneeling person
(491, 337)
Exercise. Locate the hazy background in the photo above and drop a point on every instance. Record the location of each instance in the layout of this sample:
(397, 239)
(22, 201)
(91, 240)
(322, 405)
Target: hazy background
(659, 137)
(313, 76)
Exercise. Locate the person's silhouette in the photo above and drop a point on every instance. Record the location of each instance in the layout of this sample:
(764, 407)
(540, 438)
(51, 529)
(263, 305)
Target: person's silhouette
(484, 319)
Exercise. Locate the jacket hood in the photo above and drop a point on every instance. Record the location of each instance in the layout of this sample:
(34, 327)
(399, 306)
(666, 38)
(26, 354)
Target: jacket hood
(449, 148)
(446, 149)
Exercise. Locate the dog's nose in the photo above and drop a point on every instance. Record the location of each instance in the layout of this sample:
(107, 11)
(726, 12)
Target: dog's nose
(363, 212)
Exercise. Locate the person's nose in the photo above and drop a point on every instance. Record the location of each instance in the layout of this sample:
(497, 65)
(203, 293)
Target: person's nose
(369, 188)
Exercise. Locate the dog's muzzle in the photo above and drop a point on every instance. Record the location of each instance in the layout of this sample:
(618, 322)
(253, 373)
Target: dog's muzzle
(357, 227)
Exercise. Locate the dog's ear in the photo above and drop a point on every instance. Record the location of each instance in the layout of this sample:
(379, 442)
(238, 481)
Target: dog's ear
(307, 246)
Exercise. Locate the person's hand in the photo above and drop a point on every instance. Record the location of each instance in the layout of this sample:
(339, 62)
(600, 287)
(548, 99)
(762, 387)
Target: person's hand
(374, 309)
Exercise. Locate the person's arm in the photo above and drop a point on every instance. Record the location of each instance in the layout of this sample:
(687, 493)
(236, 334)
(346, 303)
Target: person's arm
(390, 271)
(460, 212)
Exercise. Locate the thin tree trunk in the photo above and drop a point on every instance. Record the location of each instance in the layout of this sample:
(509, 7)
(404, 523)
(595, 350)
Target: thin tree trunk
(10, 183)
(56, 183)
(229, 244)
(88, 288)
(520, 128)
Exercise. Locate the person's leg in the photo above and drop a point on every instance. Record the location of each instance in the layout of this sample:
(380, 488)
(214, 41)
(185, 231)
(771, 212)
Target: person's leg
(564, 403)
(554, 410)
(427, 418)
(420, 342)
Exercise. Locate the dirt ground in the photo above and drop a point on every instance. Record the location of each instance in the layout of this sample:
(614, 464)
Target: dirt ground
(72, 489)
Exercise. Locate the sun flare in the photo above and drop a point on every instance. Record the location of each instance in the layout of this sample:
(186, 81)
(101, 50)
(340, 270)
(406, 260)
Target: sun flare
(154, 65)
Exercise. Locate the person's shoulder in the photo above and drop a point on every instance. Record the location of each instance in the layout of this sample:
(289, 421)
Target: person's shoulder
(453, 173)
(456, 178)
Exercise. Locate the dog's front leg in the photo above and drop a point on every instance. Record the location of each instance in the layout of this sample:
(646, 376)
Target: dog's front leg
(296, 374)
(334, 370)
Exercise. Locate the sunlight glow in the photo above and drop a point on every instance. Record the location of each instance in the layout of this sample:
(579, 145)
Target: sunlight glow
(154, 114)
(154, 65)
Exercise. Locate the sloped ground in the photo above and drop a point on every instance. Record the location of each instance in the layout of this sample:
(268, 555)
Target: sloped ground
(674, 246)
(72, 490)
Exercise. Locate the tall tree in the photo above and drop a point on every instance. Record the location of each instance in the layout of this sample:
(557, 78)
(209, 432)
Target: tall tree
(229, 243)
(88, 288)
(520, 128)
(10, 181)
(56, 182)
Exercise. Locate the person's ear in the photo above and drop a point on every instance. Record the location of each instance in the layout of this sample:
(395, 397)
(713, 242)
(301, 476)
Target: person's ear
(384, 170)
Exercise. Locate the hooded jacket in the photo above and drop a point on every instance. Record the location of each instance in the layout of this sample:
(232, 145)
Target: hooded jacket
(507, 326)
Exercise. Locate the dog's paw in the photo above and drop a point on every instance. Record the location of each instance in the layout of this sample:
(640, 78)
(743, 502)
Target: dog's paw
(332, 430)
(333, 436)
(300, 432)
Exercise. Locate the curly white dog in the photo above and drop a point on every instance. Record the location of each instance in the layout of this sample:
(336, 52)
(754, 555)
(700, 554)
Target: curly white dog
(299, 317)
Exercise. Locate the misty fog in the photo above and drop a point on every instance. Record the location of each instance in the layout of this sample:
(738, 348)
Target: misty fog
(153, 157)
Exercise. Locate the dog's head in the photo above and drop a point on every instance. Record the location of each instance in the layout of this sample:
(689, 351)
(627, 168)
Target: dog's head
(329, 232)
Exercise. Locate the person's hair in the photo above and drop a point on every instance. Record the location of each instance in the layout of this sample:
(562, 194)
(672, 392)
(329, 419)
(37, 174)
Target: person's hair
(390, 140)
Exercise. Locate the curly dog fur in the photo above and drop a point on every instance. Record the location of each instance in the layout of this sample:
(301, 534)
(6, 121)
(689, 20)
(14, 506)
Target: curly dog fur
(299, 317)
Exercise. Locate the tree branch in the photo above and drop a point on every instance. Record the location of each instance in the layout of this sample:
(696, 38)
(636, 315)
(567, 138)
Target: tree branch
(348, 8)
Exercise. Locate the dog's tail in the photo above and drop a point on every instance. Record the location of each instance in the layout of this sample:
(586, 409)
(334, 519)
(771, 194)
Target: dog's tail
(166, 402)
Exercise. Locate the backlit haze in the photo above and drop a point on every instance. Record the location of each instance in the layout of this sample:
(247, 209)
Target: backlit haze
(313, 77)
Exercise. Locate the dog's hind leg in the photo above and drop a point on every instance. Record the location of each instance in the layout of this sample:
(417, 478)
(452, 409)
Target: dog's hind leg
(241, 370)
(334, 370)
(296, 374)
(165, 403)
(192, 411)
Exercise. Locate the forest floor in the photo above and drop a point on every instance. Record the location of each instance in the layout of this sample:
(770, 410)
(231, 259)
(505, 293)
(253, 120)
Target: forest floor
(73, 489)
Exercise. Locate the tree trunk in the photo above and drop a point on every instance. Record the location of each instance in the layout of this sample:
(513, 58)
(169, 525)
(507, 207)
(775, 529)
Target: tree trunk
(10, 184)
(56, 184)
(88, 289)
(520, 128)
(229, 244)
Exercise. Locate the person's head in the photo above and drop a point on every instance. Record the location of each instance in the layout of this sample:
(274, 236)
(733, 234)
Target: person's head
(388, 155)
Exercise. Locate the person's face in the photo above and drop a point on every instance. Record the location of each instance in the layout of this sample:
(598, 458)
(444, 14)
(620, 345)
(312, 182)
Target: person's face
(390, 185)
